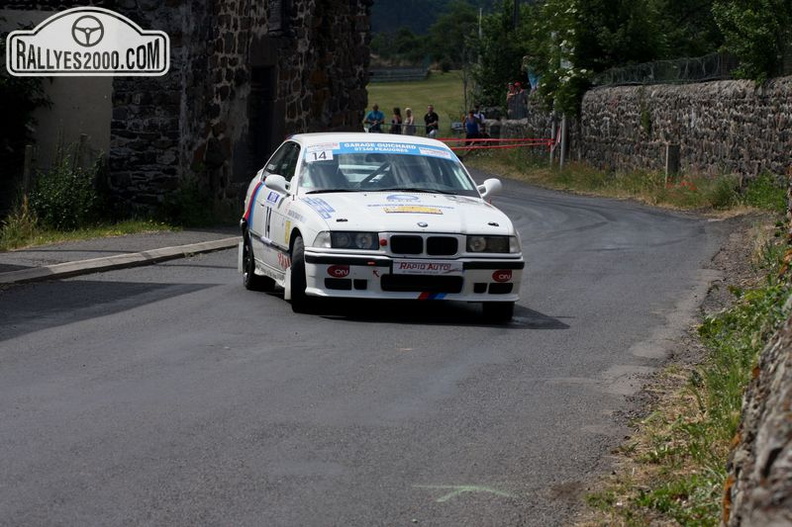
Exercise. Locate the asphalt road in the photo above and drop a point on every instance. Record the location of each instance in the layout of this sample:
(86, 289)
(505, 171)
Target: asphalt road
(169, 395)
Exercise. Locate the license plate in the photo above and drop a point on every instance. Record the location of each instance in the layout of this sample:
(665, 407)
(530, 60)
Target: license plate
(427, 267)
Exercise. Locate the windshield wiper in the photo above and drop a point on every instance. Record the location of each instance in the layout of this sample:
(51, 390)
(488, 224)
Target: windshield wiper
(416, 189)
(325, 190)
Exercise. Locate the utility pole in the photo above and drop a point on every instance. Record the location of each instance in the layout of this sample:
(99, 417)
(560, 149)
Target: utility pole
(516, 14)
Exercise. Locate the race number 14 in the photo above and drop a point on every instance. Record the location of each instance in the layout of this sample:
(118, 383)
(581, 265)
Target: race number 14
(323, 155)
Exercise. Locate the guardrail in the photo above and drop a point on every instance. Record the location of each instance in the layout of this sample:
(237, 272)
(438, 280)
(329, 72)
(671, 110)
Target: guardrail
(398, 74)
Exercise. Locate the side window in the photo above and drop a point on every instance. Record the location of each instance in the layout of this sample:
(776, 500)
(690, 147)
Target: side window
(284, 161)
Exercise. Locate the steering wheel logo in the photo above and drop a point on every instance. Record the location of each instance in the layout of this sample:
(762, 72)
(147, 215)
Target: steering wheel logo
(87, 31)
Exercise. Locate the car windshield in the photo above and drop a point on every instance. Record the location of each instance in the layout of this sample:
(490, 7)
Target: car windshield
(342, 170)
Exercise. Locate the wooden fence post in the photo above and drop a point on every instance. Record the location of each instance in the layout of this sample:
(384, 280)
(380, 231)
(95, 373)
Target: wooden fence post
(27, 171)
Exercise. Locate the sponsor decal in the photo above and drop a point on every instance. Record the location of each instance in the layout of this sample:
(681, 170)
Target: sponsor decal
(402, 197)
(434, 152)
(273, 197)
(320, 206)
(426, 267)
(315, 152)
(502, 275)
(295, 215)
(387, 205)
(323, 152)
(251, 208)
(412, 209)
(366, 146)
(431, 296)
(87, 42)
(338, 271)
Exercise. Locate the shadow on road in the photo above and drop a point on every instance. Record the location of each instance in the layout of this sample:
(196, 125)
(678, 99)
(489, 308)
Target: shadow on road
(25, 309)
(429, 313)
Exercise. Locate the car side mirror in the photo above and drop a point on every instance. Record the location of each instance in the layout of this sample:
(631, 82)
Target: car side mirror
(490, 187)
(277, 182)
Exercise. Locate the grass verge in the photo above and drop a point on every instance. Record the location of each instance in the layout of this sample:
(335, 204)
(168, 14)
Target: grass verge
(672, 470)
(444, 91)
(699, 193)
(21, 229)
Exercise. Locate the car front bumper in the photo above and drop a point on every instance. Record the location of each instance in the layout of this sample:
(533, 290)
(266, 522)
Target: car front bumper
(385, 277)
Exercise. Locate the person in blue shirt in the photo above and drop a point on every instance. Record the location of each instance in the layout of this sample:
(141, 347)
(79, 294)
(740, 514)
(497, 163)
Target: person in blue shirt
(472, 127)
(374, 119)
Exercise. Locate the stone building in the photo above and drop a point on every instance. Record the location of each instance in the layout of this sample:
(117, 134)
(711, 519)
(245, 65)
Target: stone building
(244, 74)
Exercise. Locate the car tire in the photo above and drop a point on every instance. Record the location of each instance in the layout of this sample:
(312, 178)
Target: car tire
(250, 279)
(299, 300)
(498, 312)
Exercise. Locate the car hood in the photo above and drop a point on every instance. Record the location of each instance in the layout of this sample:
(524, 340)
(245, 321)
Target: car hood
(408, 211)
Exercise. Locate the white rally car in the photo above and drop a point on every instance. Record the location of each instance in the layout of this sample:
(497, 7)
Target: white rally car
(378, 216)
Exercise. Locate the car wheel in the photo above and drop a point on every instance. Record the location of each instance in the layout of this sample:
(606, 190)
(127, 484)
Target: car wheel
(250, 279)
(298, 284)
(498, 312)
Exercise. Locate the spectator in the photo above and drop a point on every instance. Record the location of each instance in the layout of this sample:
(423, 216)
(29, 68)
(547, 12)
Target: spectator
(409, 122)
(511, 92)
(396, 121)
(472, 127)
(374, 119)
(432, 121)
(520, 102)
(480, 117)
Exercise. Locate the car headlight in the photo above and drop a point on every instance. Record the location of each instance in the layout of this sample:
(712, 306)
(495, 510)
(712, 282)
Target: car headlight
(493, 244)
(354, 240)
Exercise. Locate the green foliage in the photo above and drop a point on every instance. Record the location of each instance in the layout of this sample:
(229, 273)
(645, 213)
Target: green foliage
(692, 501)
(452, 35)
(415, 15)
(757, 32)
(20, 96)
(765, 192)
(687, 28)
(399, 47)
(501, 50)
(18, 227)
(21, 229)
(190, 205)
(567, 42)
(448, 42)
(66, 197)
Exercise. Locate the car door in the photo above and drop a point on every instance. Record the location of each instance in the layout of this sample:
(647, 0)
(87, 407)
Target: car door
(268, 218)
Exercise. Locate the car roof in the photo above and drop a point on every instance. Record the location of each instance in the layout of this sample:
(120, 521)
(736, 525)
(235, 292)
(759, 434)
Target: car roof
(316, 138)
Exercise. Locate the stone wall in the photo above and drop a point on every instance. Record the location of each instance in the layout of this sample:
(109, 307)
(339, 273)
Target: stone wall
(759, 489)
(721, 127)
(244, 75)
(724, 127)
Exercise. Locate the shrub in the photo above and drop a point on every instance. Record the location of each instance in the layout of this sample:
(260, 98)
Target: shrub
(18, 227)
(190, 205)
(65, 197)
(765, 192)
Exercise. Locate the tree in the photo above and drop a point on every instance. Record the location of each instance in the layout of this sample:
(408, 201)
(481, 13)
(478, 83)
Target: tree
(501, 50)
(569, 41)
(450, 36)
(688, 27)
(21, 96)
(401, 47)
(757, 32)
